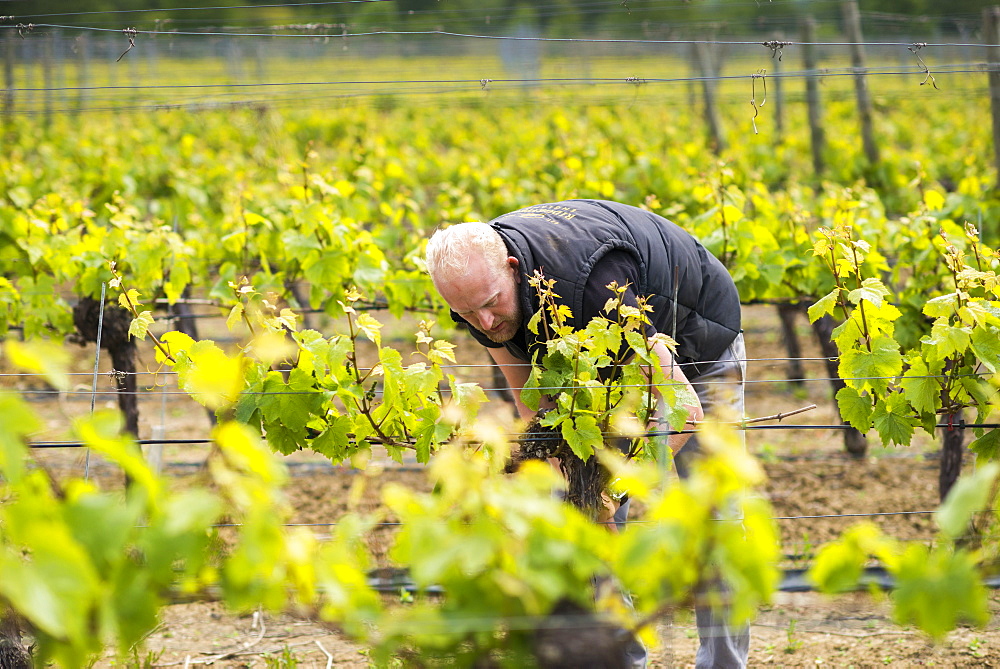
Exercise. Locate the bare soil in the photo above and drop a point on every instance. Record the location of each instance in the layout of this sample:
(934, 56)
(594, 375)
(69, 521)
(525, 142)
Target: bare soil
(816, 492)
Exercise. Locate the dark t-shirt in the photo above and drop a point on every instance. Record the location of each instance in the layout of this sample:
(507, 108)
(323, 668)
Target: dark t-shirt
(617, 266)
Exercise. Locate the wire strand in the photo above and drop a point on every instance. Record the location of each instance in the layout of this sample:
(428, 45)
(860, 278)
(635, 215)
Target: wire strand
(513, 38)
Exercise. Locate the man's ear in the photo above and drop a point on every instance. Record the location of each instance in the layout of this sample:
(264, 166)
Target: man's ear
(514, 264)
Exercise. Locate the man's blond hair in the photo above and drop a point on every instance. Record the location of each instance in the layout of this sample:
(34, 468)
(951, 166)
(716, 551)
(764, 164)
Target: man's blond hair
(449, 250)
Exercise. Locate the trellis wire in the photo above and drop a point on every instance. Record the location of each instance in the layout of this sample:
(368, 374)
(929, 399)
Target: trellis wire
(293, 96)
(532, 437)
(823, 73)
(540, 388)
(212, 8)
(512, 38)
(454, 366)
(960, 424)
(632, 80)
(634, 522)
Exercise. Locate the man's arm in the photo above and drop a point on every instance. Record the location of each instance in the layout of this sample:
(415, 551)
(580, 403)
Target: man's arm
(673, 371)
(516, 372)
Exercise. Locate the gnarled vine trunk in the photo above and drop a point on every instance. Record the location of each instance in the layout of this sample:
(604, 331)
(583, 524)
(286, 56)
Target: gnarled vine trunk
(577, 638)
(115, 339)
(13, 654)
(572, 636)
(586, 479)
(952, 447)
(787, 314)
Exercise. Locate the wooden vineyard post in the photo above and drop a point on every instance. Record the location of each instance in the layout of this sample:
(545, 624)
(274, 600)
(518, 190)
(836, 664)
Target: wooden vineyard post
(991, 36)
(59, 63)
(852, 23)
(82, 70)
(816, 135)
(47, 57)
(779, 95)
(708, 69)
(8, 77)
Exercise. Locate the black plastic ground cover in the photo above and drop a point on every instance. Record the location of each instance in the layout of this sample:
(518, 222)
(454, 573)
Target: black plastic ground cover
(395, 580)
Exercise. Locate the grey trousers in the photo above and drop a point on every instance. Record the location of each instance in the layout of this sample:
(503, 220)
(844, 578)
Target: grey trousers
(720, 388)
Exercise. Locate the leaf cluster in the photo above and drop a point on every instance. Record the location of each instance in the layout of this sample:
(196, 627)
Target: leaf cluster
(605, 380)
(92, 568)
(88, 569)
(303, 390)
(937, 587)
(896, 390)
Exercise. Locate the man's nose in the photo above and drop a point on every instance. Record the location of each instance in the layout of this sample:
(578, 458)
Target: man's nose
(486, 319)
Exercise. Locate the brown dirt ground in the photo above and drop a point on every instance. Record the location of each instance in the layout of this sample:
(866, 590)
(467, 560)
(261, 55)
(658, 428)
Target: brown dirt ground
(808, 477)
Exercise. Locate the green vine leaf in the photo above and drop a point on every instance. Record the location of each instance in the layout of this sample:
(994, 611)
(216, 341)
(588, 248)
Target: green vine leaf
(838, 565)
(855, 408)
(43, 357)
(987, 447)
(140, 325)
(967, 497)
(288, 407)
(18, 422)
(873, 369)
(921, 386)
(946, 341)
(937, 588)
(530, 394)
(986, 346)
(370, 327)
(942, 306)
(334, 441)
(468, 396)
(128, 298)
(891, 417)
(235, 318)
(823, 306)
(583, 435)
(872, 290)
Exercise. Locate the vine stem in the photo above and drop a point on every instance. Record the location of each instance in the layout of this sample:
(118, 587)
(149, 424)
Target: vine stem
(386, 439)
(576, 371)
(861, 305)
(244, 316)
(836, 280)
(759, 419)
(618, 360)
(135, 314)
(363, 406)
(953, 365)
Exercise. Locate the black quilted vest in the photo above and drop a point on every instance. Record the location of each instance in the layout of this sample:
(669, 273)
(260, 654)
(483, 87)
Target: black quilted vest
(565, 239)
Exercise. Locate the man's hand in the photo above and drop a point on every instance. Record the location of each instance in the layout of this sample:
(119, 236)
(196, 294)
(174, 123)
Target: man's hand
(673, 373)
(606, 512)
